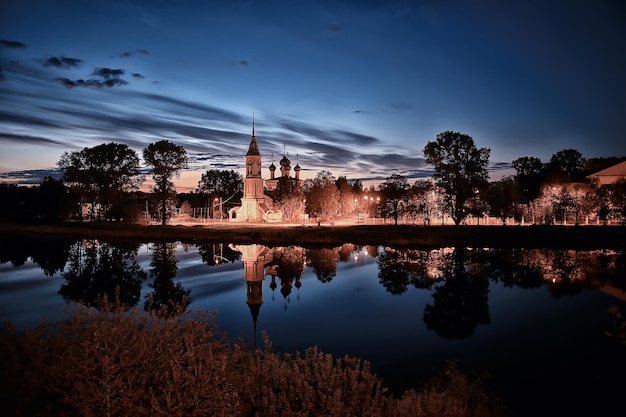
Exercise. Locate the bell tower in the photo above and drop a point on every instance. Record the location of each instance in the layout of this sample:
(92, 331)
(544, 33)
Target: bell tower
(253, 182)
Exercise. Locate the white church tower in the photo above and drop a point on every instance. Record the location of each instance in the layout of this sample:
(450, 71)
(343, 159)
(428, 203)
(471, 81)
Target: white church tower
(254, 203)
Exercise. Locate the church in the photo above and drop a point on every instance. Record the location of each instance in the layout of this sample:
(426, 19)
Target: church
(256, 205)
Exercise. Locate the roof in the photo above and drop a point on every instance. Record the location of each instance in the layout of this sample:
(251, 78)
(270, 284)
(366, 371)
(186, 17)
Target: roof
(610, 174)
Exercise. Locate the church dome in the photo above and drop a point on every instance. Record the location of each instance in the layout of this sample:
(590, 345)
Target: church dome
(284, 162)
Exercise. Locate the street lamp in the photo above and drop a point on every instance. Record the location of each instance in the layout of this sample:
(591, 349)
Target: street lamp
(219, 199)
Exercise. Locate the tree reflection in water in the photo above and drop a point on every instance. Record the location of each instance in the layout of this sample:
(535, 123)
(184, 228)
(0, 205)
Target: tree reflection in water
(323, 263)
(455, 288)
(460, 304)
(167, 299)
(97, 269)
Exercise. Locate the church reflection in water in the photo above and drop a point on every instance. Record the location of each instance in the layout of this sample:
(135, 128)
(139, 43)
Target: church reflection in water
(282, 264)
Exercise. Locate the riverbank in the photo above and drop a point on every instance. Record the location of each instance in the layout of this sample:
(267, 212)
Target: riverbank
(565, 237)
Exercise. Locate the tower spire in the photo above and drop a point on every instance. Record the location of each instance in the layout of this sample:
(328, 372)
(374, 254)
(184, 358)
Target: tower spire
(254, 147)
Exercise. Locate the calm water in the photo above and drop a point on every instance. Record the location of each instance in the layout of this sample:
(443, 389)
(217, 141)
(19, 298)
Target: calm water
(535, 320)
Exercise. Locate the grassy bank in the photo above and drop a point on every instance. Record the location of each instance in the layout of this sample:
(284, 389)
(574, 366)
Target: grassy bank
(566, 237)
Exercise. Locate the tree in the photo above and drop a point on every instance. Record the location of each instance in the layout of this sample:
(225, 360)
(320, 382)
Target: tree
(220, 183)
(460, 169)
(502, 197)
(421, 197)
(394, 192)
(289, 197)
(52, 199)
(618, 199)
(346, 195)
(166, 160)
(565, 165)
(530, 172)
(322, 195)
(101, 174)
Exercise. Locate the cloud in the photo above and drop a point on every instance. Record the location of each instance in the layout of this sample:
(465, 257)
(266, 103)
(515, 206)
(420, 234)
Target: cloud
(402, 106)
(138, 76)
(26, 120)
(128, 54)
(27, 139)
(108, 73)
(499, 166)
(29, 177)
(106, 77)
(60, 62)
(331, 135)
(11, 44)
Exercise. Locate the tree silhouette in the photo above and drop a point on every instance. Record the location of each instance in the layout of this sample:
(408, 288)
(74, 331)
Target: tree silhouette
(461, 303)
(529, 173)
(221, 183)
(100, 175)
(394, 192)
(166, 160)
(565, 165)
(323, 262)
(96, 269)
(460, 169)
(168, 299)
(391, 272)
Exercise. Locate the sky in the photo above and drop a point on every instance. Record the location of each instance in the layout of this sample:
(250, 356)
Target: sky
(353, 87)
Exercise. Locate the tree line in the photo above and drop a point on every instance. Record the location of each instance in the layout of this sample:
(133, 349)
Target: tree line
(103, 183)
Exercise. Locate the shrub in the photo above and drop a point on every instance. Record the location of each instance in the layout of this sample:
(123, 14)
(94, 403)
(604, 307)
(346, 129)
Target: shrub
(120, 362)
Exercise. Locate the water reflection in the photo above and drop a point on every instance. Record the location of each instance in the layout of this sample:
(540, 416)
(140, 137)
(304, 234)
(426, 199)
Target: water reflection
(50, 257)
(167, 298)
(98, 269)
(458, 278)
(519, 312)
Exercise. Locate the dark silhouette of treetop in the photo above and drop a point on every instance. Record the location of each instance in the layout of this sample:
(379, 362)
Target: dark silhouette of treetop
(101, 174)
(166, 160)
(460, 169)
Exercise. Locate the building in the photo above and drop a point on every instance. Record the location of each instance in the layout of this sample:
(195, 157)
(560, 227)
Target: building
(285, 173)
(256, 205)
(609, 175)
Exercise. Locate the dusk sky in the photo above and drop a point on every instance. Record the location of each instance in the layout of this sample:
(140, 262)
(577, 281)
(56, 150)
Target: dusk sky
(353, 87)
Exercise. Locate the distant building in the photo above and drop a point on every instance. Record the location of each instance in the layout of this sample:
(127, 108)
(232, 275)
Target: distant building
(285, 173)
(256, 205)
(609, 175)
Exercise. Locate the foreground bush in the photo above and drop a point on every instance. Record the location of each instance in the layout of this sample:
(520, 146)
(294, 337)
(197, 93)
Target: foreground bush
(112, 362)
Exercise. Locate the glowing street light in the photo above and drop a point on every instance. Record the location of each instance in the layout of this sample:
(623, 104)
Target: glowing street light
(218, 201)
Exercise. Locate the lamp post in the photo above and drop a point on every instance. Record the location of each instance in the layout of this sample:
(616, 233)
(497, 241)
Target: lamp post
(218, 202)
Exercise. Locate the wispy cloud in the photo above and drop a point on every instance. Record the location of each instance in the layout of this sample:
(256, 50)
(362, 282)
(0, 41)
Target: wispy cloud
(128, 54)
(104, 77)
(27, 139)
(12, 44)
(60, 62)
